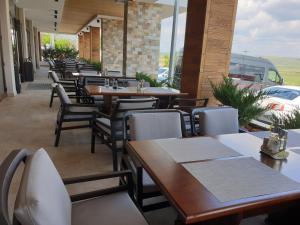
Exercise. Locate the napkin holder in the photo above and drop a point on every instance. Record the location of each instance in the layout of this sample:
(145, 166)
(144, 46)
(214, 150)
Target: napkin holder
(275, 146)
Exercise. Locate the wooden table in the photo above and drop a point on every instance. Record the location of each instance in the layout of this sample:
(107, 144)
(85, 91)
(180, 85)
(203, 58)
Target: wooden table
(109, 92)
(96, 75)
(194, 203)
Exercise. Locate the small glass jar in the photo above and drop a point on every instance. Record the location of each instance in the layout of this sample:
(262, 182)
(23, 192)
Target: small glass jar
(106, 82)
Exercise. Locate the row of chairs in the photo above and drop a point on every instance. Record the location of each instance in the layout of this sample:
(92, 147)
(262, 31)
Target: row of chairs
(140, 119)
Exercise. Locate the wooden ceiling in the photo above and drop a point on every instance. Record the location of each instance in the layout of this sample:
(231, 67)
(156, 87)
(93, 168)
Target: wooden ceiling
(77, 13)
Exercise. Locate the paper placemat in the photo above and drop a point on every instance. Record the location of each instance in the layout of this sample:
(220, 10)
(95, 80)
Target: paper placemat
(239, 178)
(195, 149)
(295, 150)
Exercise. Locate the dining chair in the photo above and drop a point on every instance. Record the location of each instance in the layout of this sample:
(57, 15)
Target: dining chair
(146, 125)
(43, 199)
(213, 121)
(69, 67)
(186, 106)
(72, 112)
(110, 127)
(87, 68)
(69, 86)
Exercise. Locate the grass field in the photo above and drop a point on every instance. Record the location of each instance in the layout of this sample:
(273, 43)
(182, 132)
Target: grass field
(289, 68)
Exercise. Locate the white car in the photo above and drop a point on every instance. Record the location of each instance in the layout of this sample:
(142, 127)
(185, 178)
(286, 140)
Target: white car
(283, 100)
(163, 73)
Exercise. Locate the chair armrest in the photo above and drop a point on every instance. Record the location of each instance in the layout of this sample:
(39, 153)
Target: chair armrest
(101, 114)
(243, 130)
(87, 195)
(83, 105)
(67, 82)
(74, 180)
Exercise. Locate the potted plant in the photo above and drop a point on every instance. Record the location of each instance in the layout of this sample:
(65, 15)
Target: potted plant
(246, 100)
(288, 121)
(98, 67)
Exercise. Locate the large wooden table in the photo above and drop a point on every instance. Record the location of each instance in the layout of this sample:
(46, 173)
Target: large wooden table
(132, 91)
(194, 203)
(94, 74)
(109, 92)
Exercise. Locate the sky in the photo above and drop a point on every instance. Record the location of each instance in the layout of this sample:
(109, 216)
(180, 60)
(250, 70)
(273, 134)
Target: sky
(268, 28)
(263, 28)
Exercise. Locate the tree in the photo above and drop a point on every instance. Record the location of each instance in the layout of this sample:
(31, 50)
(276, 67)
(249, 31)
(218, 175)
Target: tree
(46, 39)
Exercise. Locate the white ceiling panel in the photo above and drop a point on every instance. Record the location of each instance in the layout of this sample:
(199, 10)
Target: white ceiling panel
(42, 12)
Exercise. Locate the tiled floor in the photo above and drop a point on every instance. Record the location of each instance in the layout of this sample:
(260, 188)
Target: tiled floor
(26, 121)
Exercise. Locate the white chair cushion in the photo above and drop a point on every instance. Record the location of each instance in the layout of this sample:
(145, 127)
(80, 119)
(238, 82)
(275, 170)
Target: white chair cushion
(42, 198)
(113, 209)
(156, 125)
(219, 121)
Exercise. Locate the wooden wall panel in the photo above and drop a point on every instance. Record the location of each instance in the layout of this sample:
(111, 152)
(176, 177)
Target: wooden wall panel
(95, 44)
(193, 48)
(87, 45)
(81, 46)
(207, 53)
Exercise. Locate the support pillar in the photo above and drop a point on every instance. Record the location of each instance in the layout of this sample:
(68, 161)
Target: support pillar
(87, 45)
(95, 44)
(37, 46)
(81, 46)
(208, 42)
(23, 33)
(7, 49)
(32, 45)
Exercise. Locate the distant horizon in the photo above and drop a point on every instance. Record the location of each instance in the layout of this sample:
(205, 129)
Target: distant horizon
(242, 53)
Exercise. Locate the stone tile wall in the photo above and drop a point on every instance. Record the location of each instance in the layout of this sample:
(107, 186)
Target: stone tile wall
(143, 38)
(112, 44)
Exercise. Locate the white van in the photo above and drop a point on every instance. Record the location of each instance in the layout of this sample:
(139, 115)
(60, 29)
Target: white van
(253, 71)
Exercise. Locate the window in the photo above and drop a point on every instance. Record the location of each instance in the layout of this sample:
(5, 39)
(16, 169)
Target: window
(273, 76)
(258, 72)
(235, 69)
(284, 93)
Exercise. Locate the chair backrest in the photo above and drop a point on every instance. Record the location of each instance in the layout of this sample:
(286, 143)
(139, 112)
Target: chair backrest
(217, 121)
(54, 76)
(51, 64)
(124, 105)
(114, 73)
(70, 66)
(88, 67)
(187, 104)
(8, 168)
(42, 198)
(155, 124)
(63, 96)
(100, 81)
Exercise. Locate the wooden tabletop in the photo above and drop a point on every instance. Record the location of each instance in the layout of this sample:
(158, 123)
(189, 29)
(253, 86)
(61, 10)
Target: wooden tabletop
(95, 74)
(192, 200)
(132, 91)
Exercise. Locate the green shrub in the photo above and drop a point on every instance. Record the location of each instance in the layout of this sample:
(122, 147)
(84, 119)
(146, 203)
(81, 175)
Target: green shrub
(68, 52)
(289, 121)
(245, 100)
(143, 76)
(98, 66)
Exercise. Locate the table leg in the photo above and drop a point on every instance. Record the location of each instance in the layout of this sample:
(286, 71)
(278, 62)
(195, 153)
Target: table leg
(107, 104)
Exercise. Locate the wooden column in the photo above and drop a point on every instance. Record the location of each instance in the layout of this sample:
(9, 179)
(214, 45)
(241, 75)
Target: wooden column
(95, 44)
(87, 45)
(81, 46)
(208, 41)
